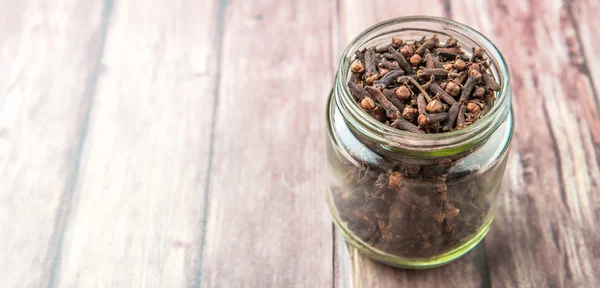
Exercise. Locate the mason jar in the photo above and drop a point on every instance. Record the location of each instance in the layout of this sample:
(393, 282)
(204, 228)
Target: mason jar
(415, 200)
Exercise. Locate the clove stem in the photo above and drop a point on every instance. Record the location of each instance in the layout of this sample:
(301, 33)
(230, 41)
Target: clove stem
(390, 77)
(474, 76)
(402, 124)
(391, 96)
(421, 104)
(437, 89)
(490, 81)
(358, 92)
(413, 81)
(391, 111)
(398, 57)
(452, 115)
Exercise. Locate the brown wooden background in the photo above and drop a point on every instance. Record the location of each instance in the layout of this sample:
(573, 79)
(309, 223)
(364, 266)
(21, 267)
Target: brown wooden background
(181, 143)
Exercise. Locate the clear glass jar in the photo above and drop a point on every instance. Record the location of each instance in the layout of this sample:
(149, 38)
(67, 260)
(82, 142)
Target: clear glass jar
(445, 186)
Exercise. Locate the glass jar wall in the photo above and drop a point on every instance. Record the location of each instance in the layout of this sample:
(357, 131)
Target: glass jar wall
(415, 200)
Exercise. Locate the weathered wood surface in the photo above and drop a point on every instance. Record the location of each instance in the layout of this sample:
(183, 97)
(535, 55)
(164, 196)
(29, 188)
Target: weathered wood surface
(49, 57)
(547, 216)
(267, 223)
(138, 204)
(148, 143)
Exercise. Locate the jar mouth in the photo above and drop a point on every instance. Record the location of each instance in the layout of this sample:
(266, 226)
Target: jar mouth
(445, 143)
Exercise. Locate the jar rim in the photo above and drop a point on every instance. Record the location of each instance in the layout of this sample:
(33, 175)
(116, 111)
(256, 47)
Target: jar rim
(394, 139)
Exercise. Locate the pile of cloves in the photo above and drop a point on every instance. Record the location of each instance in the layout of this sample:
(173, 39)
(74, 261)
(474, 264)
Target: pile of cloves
(412, 211)
(424, 86)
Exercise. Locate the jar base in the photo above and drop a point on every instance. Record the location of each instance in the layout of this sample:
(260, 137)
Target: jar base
(392, 260)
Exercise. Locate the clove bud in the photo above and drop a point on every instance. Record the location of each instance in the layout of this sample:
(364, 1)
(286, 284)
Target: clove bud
(415, 60)
(357, 67)
(434, 106)
(403, 92)
(409, 113)
(367, 103)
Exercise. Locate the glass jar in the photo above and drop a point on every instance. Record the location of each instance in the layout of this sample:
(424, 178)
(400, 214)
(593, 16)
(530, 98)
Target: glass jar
(445, 186)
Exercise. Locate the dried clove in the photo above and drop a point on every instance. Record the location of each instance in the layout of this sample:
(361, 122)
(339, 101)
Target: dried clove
(390, 65)
(415, 60)
(451, 42)
(437, 63)
(360, 55)
(371, 69)
(391, 111)
(391, 96)
(397, 41)
(461, 120)
(479, 92)
(459, 64)
(398, 57)
(434, 106)
(382, 49)
(438, 73)
(357, 67)
(390, 77)
(357, 79)
(477, 53)
(452, 115)
(435, 88)
(462, 77)
(358, 92)
(421, 89)
(428, 44)
(382, 72)
(473, 108)
(405, 125)
(406, 79)
(474, 76)
(452, 88)
(490, 81)
(452, 53)
(430, 119)
(379, 114)
(367, 103)
(406, 51)
(403, 92)
(409, 113)
(421, 104)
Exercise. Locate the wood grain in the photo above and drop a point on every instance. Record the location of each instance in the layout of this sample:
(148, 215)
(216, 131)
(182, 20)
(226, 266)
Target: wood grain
(584, 43)
(547, 214)
(139, 199)
(469, 271)
(268, 225)
(171, 143)
(49, 53)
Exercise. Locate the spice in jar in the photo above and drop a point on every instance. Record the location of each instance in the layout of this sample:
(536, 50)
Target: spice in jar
(402, 208)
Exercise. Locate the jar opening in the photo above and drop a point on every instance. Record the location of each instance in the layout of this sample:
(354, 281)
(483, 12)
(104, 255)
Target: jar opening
(441, 144)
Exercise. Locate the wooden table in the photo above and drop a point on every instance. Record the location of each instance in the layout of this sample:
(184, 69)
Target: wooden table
(181, 143)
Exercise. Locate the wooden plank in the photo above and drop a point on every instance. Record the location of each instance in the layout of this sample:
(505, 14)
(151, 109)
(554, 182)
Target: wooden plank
(268, 224)
(469, 271)
(356, 16)
(139, 198)
(49, 53)
(583, 31)
(547, 215)
(342, 261)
